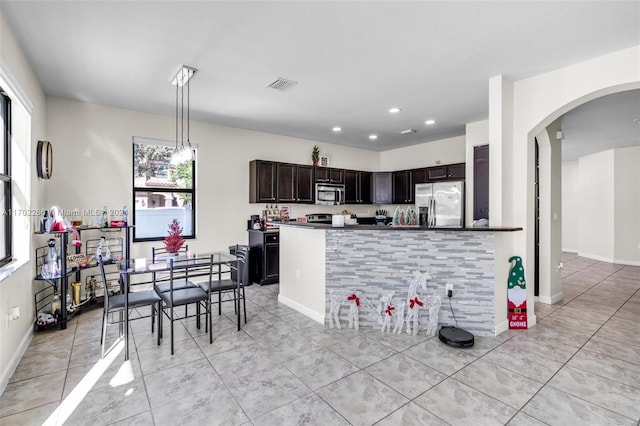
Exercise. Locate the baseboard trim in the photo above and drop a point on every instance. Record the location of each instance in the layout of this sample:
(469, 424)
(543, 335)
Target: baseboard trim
(319, 318)
(502, 327)
(568, 250)
(17, 356)
(609, 259)
(551, 300)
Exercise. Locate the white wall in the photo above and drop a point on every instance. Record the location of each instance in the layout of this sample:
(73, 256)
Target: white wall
(595, 186)
(444, 151)
(16, 286)
(93, 166)
(626, 217)
(570, 211)
(601, 195)
(537, 102)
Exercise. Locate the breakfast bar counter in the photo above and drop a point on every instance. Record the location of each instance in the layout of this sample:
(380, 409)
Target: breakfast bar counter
(380, 265)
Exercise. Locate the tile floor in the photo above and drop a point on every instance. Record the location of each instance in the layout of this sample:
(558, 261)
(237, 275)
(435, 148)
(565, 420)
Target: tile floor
(579, 365)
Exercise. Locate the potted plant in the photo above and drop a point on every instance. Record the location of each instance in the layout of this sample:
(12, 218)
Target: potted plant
(174, 241)
(315, 155)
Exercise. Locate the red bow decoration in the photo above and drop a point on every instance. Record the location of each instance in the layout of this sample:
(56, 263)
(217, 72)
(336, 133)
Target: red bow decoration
(414, 301)
(354, 297)
(389, 309)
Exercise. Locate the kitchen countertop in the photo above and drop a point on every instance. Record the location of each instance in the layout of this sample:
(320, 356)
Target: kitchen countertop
(268, 230)
(401, 228)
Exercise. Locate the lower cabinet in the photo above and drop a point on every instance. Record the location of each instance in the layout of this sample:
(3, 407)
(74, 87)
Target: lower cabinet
(264, 257)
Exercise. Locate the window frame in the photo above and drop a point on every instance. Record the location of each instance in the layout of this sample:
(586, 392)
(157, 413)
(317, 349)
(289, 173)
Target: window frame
(136, 189)
(5, 178)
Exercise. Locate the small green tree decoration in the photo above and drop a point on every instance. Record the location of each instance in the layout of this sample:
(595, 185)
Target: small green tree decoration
(315, 155)
(174, 240)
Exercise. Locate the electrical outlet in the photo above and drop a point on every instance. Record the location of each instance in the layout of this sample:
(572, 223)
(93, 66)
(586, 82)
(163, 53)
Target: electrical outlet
(449, 288)
(297, 274)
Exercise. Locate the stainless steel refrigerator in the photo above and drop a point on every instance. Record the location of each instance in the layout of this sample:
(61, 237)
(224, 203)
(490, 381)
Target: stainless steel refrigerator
(441, 204)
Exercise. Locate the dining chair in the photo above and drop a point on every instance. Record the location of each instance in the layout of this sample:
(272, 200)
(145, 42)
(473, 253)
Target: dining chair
(233, 287)
(184, 271)
(115, 304)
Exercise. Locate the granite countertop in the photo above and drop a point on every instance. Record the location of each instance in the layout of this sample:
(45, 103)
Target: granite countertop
(268, 230)
(401, 228)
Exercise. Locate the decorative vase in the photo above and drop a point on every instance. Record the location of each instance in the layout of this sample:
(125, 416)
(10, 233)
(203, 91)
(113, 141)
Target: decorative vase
(315, 163)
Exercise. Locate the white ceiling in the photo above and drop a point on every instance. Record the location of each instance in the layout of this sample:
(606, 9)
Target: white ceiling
(352, 60)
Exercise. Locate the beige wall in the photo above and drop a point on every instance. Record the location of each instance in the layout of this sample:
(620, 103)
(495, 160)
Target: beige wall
(602, 199)
(444, 151)
(17, 287)
(302, 272)
(94, 164)
(626, 217)
(570, 211)
(535, 103)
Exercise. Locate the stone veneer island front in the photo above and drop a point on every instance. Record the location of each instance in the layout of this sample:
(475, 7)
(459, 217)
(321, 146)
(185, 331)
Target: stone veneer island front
(376, 260)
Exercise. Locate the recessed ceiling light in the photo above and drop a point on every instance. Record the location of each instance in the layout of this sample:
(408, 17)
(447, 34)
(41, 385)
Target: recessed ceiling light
(373, 137)
(430, 122)
(394, 110)
(337, 129)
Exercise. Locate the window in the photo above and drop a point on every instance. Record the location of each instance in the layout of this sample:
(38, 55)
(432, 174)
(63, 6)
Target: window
(5, 178)
(161, 191)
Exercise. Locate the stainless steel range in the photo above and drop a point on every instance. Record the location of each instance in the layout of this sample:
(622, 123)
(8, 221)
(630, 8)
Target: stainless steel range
(319, 218)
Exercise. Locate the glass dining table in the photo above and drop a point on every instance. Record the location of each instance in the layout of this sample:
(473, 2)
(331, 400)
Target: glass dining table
(222, 263)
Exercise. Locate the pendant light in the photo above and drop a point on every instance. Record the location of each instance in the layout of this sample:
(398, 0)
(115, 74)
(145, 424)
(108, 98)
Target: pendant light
(182, 152)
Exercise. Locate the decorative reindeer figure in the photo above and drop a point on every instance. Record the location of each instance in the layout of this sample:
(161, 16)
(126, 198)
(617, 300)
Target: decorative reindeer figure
(419, 279)
(434, 310)
(399, 317)
(335, 298)
(353, 311)
(387, 311)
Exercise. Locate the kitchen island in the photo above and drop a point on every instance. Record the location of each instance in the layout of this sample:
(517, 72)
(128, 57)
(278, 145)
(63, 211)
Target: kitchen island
(378, 264)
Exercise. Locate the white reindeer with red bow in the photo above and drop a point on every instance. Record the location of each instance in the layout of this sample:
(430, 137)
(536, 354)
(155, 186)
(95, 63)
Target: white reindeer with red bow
(387, 311)
(354, 305)
(414, 302)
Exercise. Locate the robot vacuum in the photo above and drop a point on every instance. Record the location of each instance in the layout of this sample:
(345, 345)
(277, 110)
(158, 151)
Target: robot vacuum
(456, 337)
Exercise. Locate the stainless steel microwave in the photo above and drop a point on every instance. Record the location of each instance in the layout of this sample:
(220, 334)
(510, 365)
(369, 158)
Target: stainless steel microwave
(329, 194)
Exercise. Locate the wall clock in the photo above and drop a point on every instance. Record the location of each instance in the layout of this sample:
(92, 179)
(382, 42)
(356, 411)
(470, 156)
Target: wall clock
(44, 159)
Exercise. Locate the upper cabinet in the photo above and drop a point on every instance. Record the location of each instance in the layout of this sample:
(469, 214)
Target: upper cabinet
(451, 171)
(357, 187)
(404, 184)
(262, 181)
(273, 182)
(329, 175)
(294, 183)
(382, 188)
(402, 187)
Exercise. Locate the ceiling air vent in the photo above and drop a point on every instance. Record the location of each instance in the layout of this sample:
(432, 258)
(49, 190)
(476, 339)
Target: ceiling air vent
(281, 84)
(407, 132)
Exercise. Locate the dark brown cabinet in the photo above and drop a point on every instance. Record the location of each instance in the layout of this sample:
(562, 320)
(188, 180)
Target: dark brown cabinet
(295, 183)
(382, 188)
(451, 171)
(481, 182)
(402, 187)
(357, 187)
(262, 182)
(404, 184)
(264, 257)
(329, 175)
